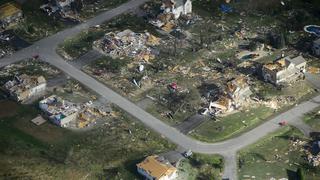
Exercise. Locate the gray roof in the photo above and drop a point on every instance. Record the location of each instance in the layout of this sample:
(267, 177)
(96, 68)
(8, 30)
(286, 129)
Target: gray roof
(180, 2)
(297, 60)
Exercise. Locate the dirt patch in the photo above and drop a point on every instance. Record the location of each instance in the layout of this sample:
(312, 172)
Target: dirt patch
(8, 108)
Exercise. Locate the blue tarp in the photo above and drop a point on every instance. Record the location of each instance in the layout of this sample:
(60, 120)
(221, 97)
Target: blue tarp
(225, 8)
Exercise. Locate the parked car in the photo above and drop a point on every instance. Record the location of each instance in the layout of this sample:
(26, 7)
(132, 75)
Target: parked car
(187, 153)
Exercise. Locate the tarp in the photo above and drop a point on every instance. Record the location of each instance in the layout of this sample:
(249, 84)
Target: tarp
(225, 8)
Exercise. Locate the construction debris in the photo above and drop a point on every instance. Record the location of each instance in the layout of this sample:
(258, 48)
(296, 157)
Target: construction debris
(23, 87)
(64, 113)
(128, 44)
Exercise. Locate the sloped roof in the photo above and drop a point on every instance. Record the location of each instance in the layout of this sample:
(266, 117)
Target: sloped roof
(155, 168)
(8, 9)
(297, 60)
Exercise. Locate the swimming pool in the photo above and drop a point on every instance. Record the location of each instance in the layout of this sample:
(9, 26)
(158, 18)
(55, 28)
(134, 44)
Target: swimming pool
(313, 29)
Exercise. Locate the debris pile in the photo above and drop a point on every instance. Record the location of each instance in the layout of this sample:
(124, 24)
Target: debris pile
(170, 12)
(23, 87)
(128, 44)
(230, 97)
(68, 114)
(31, 65)
(313, 153)
(63, 8)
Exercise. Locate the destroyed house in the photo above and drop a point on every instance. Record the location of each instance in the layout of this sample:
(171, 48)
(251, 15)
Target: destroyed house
(238, 89)
(222, 105)
(129, 44)
(23, 87)
(9, 13)
(177, 7)
(284, 70)
(59, 111)
(157, 168)
(63, 3)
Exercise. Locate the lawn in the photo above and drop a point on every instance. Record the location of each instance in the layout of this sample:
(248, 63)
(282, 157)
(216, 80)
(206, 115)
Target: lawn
(79, 45)
(313, 119)
(94, 7)
(231, 125)
(200, 166)
(276, 156)
(36, 24)
(50, 152)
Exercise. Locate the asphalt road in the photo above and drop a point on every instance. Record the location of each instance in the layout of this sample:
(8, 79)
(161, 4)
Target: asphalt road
(46, 48)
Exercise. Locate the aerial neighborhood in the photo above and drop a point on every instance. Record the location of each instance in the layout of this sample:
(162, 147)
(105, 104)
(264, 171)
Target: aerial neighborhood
(160, 89)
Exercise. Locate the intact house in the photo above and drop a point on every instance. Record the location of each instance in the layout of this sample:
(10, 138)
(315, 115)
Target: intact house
(236, 92)
(284, 70)
(177, 7)
(316, 47)
(59, 111)
(10, 13)
(157, 168)
(22, 87)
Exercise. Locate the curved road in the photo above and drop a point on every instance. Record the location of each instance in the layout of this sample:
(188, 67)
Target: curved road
(46, 48)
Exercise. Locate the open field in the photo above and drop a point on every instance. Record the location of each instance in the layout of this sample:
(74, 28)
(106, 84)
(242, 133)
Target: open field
(51, 152)
(276, 156)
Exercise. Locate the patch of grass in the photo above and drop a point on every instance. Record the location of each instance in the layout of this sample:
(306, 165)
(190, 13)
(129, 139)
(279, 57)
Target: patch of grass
(36, 24)
(91, 8)
(81, 44)
(109, 64)
(201, 166)
(275, 156)
(313, 119)
(231, 125)
(208, 166)
(51, 152)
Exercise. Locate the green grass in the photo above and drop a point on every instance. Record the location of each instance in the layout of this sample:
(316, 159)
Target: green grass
(260, 160)
(81, 44)
(201, 166)
(90, 10)
(231, 125)
(313, 119)
(50, 152)
(36, 24)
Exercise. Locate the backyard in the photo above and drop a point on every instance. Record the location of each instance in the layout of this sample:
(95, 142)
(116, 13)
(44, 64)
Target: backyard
(276, 156)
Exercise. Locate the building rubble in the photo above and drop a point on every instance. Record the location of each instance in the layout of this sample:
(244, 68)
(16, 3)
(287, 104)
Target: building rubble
(68, 114)
(170, 12)
(128, 44)
(22, 87)
(230, 97)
